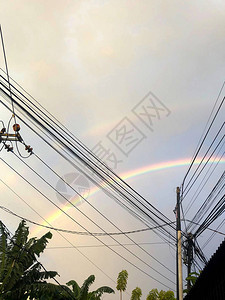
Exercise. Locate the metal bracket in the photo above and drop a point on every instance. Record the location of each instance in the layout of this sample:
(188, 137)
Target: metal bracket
(14, 137)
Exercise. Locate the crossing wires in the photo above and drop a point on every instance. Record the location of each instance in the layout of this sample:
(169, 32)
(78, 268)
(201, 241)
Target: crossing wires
(86, 162)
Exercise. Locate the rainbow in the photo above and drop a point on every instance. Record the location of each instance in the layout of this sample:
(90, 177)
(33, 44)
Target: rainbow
(54, 215)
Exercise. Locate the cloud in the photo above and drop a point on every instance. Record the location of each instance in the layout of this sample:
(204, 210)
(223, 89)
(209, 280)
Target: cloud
(90, 62)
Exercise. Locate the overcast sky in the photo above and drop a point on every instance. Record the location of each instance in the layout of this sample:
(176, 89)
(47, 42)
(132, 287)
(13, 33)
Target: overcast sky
(90, 63)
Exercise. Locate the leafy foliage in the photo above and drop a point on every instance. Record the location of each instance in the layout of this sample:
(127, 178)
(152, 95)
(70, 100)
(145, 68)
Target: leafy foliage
(154, 294)
(122, 281)
(82, 293)
(21, 276)
(136, 294)
(193, 276)
(20, 273)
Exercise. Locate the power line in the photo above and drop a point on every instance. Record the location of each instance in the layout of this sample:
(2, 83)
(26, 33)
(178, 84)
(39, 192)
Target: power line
(7, 71)
(211, 198)
(108, 183)
(80, 195)
(203, 158)
(212, 216)
(87, 161)
(208, 159)
(214, 233)
(101, 170)
(105, 233)
(67, 240)
(79, 232)
(203, 140)
(100, 246)
(214, 230)
(202, 183)
(214, 106)
(118, 254)
(66, 158)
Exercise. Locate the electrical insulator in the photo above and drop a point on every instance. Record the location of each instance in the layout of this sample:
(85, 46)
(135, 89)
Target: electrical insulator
(28, 148)
(16, 127)
(8, 148)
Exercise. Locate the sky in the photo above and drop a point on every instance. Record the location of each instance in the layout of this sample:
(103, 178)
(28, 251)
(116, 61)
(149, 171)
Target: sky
(92, 64)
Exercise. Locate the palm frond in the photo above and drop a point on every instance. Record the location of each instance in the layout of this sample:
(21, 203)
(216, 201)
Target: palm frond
(39, 245)
(100, 291)
(75, 287)
(20, 237)
(85, 287)
(3, 251)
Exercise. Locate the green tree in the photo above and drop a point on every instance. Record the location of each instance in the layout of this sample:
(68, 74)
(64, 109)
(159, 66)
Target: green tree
(169, 295)
(20, 272)
(136, 294)
(154, 294)
(122, 282)
(82, 293)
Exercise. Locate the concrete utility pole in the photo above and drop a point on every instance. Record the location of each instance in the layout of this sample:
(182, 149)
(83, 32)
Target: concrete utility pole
(179, 254)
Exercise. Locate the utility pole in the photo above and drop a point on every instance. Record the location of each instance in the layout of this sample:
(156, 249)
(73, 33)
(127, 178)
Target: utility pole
(179, 254)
